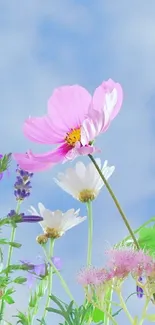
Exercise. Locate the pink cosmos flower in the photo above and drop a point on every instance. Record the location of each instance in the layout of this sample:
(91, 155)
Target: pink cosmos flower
(74, 119)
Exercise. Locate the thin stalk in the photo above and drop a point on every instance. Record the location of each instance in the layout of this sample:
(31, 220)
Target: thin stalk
(108, 305)
(90, 232)
(50, 277)
(115, 201)
(109, 317)
(13, 233)
(124, 307)
(144, 312)
(12, 238)
(64, 284)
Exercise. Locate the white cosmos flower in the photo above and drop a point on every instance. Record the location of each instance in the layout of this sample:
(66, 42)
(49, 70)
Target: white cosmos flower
(84, 182)
(56, 223)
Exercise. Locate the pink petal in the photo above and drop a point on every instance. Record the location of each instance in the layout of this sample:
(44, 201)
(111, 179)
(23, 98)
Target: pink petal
(108, 97)
(68, 107)
(29, 163)
(54, 156)
(88, 150)
(79, 150)
(92, 126)
(40, 130)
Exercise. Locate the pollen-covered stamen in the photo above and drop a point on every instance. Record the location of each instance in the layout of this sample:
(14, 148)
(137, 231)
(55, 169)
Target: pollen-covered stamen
(73, 136)
(52, 233)
(87, 195)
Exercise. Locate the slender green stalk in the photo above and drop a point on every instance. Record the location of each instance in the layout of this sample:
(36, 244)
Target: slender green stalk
(109, 317)
(115, 201)
(124, 307)
(12, 238)
(108, 296)
(90, 232)
(144, 312)
(50, 276)
(60, 277)
(13, 233)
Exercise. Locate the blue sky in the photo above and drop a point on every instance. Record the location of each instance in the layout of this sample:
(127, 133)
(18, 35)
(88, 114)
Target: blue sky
(45, 45)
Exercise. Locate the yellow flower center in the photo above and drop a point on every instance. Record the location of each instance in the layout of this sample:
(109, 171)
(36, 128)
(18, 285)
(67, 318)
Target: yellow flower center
(42, 239)
(73, 136)
(87, 195)
(53, 233)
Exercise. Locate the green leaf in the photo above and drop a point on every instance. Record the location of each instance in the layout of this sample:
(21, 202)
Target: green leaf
(55, 311)
(33, 300)
(41, 321)
(57, 302)
(146, 239)
(98, 315)
(20, 280)
(150, 317)
(9, 291)
(13, 244)
(4, 221)
(8, 299)
(15, 267)
(22, 318)
(3, 241)
(4, 162)
(3, 281)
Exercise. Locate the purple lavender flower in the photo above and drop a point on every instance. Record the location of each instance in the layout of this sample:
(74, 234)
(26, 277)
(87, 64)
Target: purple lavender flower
(139, 290)
(39, 270)
(22, 218)
(23, 184)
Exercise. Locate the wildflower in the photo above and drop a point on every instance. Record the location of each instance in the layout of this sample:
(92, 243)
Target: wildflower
(125, 261)
(23, 218)
(39, 270)
(139, 290)
(92, 276)
(84, 182)
(95, 282)
(56, 223)
(74, 120)
(23, 184)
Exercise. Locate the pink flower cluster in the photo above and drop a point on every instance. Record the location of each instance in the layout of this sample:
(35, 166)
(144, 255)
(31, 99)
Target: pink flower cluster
(74, 119)
(122, 262)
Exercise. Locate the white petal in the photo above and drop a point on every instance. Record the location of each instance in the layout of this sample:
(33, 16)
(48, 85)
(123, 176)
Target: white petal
(33, 211)
(111, 100)
(80, 169)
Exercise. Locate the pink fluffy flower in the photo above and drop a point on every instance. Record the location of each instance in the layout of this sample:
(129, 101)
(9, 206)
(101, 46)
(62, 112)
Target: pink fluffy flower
(74, 119)
(125, 261)
(92, 276)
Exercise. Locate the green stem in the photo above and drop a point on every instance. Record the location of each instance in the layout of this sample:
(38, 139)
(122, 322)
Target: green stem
(90, 232)
(124, 307)
(144, 312)
(50, 276)
(60, 277)
(12, 238)
(115, 201)
(109, 317)
(108, 296)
